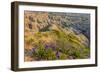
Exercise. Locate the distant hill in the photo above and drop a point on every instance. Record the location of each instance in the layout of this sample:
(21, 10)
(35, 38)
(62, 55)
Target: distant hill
(42, 20)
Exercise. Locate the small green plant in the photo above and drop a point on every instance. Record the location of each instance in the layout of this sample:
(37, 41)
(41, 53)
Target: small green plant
(63, 56)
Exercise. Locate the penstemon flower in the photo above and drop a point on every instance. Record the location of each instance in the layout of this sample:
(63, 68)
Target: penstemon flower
(33, 50)
(57, 55)
(47, 46)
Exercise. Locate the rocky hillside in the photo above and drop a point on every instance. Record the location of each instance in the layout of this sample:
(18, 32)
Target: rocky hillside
(52, 35)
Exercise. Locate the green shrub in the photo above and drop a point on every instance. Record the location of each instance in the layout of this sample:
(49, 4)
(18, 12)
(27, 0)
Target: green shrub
(63, 56)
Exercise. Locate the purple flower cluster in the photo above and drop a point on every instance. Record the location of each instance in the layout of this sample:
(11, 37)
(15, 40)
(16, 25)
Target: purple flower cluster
(47, 46)
(33, 50)
(57, 55)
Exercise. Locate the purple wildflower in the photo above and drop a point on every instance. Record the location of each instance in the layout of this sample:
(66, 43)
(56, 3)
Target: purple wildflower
(33, 50)
(57, 54)
(46, 46)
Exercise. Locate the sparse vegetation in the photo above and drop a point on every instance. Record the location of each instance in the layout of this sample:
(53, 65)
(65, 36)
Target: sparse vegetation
(54, 40)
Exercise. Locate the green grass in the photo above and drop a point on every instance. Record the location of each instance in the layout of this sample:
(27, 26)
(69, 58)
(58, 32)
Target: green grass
(67, 45)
